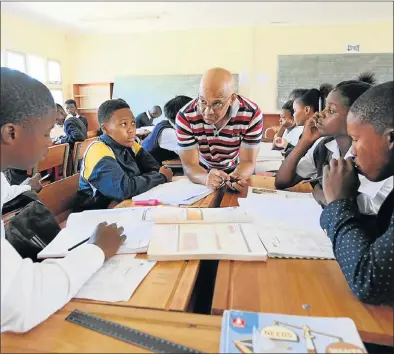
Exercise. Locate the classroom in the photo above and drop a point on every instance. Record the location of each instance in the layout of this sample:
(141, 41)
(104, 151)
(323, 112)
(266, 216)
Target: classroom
(197, 177)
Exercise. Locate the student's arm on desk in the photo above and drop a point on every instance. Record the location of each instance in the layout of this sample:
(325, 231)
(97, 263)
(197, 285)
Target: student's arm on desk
(365, 262)
(31, 292)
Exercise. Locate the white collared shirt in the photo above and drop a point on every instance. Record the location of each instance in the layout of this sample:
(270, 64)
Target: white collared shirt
(9, 192)
(57, 131)
(168, 140)
(293, 136)
(31, 292)
(372, 194)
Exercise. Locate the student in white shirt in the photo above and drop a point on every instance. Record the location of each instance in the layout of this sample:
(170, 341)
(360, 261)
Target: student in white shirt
(313, 152)
(289, 132)
(10, 192)
(30, 293)
(57, 132)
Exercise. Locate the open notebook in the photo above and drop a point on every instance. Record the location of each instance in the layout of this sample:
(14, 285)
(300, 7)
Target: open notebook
(179, 192)
(288, 224)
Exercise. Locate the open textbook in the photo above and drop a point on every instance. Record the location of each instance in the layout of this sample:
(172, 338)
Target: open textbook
(179, 192)
(288, 224)
(137, 223)
(251, 332)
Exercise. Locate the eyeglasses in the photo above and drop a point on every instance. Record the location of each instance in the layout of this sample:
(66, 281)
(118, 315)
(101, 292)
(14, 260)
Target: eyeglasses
(217, 106)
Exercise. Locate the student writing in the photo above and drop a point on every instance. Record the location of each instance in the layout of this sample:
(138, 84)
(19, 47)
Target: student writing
(30, 293)
(115, 167)
(365, 256)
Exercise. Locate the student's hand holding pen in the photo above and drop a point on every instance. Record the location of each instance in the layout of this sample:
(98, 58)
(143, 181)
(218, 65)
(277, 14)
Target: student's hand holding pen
(35, 183)
(166, 172)
(108, 237)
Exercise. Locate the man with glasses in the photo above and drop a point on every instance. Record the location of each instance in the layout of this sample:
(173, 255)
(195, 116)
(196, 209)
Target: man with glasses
(219, 133)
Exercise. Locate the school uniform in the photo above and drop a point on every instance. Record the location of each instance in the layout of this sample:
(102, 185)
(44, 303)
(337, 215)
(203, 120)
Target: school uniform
(143, 120)
(372, 194)
(293, 135)
(31, 292)
(57, 132)
(75, 130)
(111, 171)
(365, 255)
(162, 143)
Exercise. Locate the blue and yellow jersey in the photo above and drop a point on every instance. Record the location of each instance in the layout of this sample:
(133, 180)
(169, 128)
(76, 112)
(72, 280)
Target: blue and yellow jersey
(111, 171)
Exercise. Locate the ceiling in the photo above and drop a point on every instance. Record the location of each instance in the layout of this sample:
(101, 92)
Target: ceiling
(123, 17)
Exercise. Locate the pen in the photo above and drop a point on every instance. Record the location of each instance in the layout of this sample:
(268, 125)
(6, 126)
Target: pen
(78, 244)
(45, 177)
(149, 202)
(312, 180)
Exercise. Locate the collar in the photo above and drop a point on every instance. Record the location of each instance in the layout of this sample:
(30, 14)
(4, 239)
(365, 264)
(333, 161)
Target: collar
(114, 145)
(148, 114)
(172, 124)
(334, 148)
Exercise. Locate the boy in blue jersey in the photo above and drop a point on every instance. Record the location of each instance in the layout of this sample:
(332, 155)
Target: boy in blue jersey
(115, 167)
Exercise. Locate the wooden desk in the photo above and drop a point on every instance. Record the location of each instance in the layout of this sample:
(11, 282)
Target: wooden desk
(57, 335)
(284, 285)
(169, 285)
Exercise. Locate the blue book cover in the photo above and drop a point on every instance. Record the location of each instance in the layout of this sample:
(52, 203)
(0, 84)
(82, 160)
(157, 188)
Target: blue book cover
(251, 332)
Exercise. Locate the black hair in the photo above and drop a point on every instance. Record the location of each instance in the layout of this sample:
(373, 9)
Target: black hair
(313, 96)
(107, 109)
(296, 93)
(71, 101)
(22, 98)
(352, 89)
(375, 106)
(172, 107)
(59, 107)
(288, 106)
(156, 109)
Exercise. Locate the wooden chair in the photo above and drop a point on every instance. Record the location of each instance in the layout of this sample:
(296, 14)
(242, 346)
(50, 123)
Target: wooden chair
(57, 155)
(59, 197)
(79, 150)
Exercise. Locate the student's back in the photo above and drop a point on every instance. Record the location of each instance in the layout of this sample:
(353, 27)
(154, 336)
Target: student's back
(162, 142)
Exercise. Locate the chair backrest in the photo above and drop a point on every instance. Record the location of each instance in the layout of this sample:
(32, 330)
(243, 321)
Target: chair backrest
(57, 155)
(79, 149)
(59, 197)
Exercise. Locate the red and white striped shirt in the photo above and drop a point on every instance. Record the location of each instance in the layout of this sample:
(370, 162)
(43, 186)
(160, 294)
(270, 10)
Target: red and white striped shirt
(220, 148)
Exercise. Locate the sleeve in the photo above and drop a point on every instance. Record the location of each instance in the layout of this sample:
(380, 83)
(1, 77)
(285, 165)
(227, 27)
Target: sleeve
(10, 192)
(254, 133)
(31, 292)
(365, 261)
(73, 132)
(168, 141)
(184, 133)
(306, 167)
(103, 172)
(145, 160)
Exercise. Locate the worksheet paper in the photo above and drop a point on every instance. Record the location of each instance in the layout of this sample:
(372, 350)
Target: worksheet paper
(267, 154)
(179, 192)
(255, 192)
(116, 280)
(137, 224)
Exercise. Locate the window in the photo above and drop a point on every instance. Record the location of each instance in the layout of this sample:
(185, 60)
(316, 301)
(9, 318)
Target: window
(16, 61)
(54, 72)
(58, 96)
(36, 67)
(2, 59)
